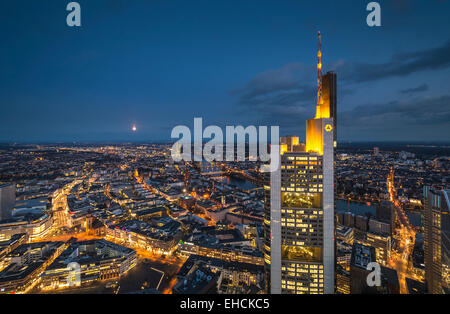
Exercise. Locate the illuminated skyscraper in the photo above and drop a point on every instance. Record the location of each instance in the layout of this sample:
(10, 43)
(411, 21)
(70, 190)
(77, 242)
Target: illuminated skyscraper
(299, 248)
(329, 99)
(329, 109)
(437, 239)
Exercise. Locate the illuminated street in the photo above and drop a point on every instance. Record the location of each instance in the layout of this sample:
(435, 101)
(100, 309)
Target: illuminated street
(246, 148)
(401, 259)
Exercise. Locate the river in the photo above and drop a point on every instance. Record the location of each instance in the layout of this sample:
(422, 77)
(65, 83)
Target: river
(239, 183)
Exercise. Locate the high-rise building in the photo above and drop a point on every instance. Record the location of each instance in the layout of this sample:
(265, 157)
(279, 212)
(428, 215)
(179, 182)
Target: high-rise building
(267, 231)
(329, 99)
(349, 219)
(299, 214)
(328, 108)
(7, 200)
(376, 151)
(437, 239)
(299, 206)
(385, 212)
(302, 216)
(361, 223)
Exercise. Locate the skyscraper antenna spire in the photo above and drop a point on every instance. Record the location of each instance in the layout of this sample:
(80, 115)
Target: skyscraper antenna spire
(319, 76)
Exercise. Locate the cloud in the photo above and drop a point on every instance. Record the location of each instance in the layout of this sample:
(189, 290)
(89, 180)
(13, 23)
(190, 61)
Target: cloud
(400, 65)
(419, 119)
(279, 87)
(416, 119)
(426, 111)
(418, 89)
(287, 97)
(422, 118)
(293, 84)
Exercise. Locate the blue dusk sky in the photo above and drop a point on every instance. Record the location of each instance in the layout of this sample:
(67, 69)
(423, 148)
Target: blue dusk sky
(160, 63)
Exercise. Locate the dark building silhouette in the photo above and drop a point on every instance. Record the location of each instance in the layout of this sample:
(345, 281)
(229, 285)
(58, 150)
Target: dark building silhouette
(7, 200)
(329, 98)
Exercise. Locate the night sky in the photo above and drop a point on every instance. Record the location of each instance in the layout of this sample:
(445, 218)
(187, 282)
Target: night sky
(160, 63)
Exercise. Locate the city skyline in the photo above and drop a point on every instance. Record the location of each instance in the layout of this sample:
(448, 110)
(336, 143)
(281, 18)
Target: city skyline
(157, 65)
(136, 157)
